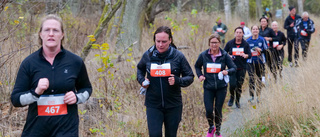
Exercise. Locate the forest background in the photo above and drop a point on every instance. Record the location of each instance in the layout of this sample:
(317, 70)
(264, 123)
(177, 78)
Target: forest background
(111, 36)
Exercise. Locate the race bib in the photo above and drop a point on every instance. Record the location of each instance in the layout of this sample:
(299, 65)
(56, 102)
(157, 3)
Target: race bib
(268, 43)
(163, 70)
(275, 44)
(213, 67)
(219, 29)
(237, 51)
(303, 33)
(255, 53)
(52, 105)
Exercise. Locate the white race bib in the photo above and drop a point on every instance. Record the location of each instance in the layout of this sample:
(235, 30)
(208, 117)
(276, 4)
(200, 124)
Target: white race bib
(275, 44)
(255, 53)
(213, 67)
(303, 33)
(237, 51)
(52, 105)
(163, 70)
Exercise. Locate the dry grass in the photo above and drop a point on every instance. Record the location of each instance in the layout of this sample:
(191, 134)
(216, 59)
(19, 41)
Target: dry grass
(290, 106)
(116, 108)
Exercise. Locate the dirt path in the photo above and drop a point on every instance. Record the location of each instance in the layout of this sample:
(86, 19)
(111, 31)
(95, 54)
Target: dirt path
(238, 117)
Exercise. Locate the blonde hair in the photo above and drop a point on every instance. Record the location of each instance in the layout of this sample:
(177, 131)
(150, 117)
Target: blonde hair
(274, 22)
(48, 17)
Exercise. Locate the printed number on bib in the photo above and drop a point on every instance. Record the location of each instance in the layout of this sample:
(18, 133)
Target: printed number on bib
(52, 105)
(237, 51)
(275, 44)
(255, 53)
(213, 68)
(163, 70)
(303, 33)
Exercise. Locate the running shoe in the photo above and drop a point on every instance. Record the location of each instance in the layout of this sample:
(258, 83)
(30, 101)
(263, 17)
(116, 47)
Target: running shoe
(230, 103)
(291, 65)
(218, 134)
(238, 104)
(211, 131)
(251, 99)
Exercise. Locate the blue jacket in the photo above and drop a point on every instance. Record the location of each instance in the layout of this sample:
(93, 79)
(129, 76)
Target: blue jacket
(301, 27)
(260, 43)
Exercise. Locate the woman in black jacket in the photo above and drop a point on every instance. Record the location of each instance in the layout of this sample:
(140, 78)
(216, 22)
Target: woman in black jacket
(214, 61)
(240, 51)
(270, 37)
(164, 65)
(278, 47)
(51, 82)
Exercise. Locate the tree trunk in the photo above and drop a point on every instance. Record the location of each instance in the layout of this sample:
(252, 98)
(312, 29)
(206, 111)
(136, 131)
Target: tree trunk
(227, 10)
(150, 11)
(132, 24)
(179, 4)
(115, 25)
(274, 8)
(246, 12)
(259, 9)
(285, 9)
(239, 10)
(221, 5)
(103, 22)
(300, 6)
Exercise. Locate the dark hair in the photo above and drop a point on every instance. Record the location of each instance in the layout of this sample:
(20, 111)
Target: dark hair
(263, 17)
(214, 36)
(167, 30)
(291, 8)
(239, 28)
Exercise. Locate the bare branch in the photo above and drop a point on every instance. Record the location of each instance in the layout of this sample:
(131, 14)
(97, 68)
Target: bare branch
(104, 21)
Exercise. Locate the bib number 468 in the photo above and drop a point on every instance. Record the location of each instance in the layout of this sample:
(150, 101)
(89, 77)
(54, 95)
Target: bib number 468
(52, 110)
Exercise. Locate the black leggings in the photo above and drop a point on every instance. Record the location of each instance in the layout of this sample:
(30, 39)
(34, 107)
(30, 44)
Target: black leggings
(170, 117)
(255, 71)
(291, 43)
(217, 97)
(304, 46)
(236, 81)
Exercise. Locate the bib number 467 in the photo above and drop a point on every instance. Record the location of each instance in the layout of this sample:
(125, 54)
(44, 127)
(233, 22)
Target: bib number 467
(53, 109)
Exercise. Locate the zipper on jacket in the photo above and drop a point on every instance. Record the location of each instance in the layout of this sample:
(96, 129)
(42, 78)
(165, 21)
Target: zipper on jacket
(162, 100)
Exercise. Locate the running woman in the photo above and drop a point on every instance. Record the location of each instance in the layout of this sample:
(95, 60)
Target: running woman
(167, 71)
(214, 62)
(239, 51)
(256, 63)
(278, 47)
(51, 81)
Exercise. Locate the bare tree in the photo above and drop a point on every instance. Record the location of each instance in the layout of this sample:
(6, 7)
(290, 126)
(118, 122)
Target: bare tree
(227, 10)
(179, 3)
(132, 24)
(246, 11)
(3, 5)
(285, 8)
(300, 7)
(104, 21)
(259, 8)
